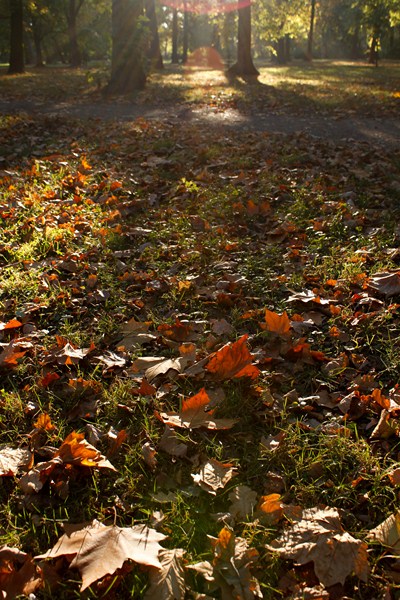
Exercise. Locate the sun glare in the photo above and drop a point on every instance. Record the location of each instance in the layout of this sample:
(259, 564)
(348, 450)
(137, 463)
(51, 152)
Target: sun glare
(207, 6)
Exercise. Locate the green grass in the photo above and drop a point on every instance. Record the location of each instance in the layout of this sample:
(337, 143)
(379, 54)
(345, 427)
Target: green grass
(84, 250)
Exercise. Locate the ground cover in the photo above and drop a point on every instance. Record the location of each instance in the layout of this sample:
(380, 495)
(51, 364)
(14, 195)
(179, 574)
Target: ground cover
(199, 337)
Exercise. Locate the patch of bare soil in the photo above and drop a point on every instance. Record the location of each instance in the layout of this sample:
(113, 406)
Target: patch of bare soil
(383, 131)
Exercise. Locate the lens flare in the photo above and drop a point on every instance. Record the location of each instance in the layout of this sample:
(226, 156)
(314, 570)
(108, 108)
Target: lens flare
(206, 6)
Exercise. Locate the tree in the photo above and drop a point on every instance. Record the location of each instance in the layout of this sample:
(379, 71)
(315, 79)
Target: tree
(154, 52)
(127, 71)
(17, 63)
(244, 66)
(310, 39)
(174, 57)
(72, 12)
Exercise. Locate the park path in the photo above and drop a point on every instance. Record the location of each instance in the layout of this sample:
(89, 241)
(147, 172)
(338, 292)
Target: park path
(383, 131)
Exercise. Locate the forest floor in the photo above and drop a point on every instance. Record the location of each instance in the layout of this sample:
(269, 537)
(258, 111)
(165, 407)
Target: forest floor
(200, 337)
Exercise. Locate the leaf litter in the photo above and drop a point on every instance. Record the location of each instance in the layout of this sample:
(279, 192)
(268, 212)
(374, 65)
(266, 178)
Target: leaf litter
(236, 326)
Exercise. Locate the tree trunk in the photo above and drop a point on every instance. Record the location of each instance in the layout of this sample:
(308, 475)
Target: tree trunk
(281, 54)
(37, 42)
(310, 40)
(154, 52)
(17, 63)
(244, 66)
(127, 72)
(75, 58)
(175, 57)
(185, 42)
(373, 51)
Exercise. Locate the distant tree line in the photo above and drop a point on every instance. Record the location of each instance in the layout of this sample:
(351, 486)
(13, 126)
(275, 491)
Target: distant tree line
(138, 35)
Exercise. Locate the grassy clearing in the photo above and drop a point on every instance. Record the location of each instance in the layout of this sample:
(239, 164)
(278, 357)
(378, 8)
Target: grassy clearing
(323, 87)
(102, 223)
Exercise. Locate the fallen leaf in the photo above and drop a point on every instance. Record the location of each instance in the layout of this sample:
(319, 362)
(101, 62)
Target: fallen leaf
(13, 459)
(386, 283)
(169, 442)
(232, 360)
(388, 533)
(214, 475)
(230, 568)
(76, 450)
(168, 581)
(243, 500)
(279, 324)
(317, 536)
(194, 414)
(97, 550)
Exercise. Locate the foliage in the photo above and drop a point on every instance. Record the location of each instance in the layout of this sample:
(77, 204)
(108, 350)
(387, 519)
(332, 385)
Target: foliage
(199, 354)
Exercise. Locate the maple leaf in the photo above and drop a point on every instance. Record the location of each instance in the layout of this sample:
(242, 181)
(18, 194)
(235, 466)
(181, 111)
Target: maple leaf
(317, 535)
(168, 581)
(243, 501)
(388, 533)
(17, 573)
(9, 355)
(13, 459)
(279, 324)
(232, 360)
(230, 568)
(386, 283)
(77, 451)
(194, 414)
(98, 550)
(214, 475)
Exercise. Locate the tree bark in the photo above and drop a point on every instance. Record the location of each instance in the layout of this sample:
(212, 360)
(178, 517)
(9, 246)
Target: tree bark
(373, 51)
(175, 57)
(127, 72)
(244, 66)
(17, 62)
(310, 40)
(154, 52)
(185, 41)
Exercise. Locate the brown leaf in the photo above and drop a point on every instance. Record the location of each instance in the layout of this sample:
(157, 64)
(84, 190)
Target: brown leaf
(317, 535)
(18, 574)
(169, 442)
(214, 475)
(386, 283)
(168, 582)
(279, 324)
(13, 459)
(194, 414)
(388, 533)
(232, 360)
(76, 450)
(99, 550)
(44, 422)
(270, 507)
(230, 568)
(243, 500)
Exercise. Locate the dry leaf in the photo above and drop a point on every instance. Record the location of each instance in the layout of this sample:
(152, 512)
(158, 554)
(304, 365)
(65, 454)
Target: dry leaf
(168, 582)
(232, 360)
(279, 324)
(76, 450)
(214, 475)
(13, 459)
(317, 535)
(170, 443)
(98, 550)
(230, 568)
(243, 501)
(149, 455)
(194, 414)
(270, 507)
(386, 283)
(18, 574)
(388, 533)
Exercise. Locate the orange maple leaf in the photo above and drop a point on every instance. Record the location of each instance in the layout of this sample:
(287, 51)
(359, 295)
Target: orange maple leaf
(76, 450)
(275, 323)
(233, 360)
(194, 414)
(44, 422)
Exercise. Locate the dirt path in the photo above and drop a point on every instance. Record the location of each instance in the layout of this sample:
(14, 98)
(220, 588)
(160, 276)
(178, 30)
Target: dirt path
(382, 131)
